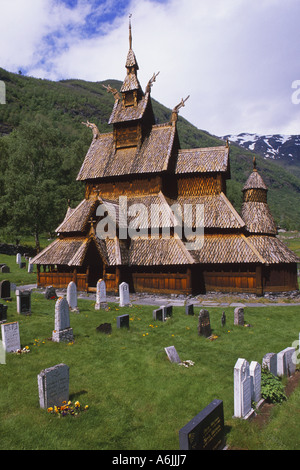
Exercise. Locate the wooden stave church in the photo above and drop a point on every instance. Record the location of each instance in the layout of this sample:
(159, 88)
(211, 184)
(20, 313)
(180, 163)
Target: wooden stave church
(144, 162)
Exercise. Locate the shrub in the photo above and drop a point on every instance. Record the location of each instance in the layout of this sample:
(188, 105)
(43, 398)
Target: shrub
(272, 389)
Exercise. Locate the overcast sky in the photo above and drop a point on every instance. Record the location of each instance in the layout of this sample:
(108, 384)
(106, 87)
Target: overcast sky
(237, 59)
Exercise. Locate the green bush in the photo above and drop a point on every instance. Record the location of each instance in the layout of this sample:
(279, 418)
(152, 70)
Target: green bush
(272, 388)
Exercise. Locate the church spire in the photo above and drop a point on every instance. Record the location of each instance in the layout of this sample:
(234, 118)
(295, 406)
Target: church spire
(130, 34)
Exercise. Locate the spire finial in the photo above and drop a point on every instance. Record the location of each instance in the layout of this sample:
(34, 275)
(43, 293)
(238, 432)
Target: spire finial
(254, 163)
(130, 35)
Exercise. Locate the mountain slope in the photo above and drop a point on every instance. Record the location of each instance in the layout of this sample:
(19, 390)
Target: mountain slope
(66, 104)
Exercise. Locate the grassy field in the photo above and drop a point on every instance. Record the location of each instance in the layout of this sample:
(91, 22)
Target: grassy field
(137, 399)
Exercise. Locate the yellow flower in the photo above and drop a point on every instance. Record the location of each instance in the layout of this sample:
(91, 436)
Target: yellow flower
(26, 347)
(77, 404)
(50, 409)
(86, 407)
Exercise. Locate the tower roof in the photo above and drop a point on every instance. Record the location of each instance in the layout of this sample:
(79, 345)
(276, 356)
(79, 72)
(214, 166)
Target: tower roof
(255, 181)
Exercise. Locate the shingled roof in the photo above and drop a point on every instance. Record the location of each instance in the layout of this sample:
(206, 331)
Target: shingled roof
(102, 160)
(203, 160)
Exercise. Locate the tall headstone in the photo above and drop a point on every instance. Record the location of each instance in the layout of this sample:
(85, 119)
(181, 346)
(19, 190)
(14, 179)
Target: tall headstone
(53, 385)
(242, 389)
(124, 294)
(239, 316)
(204, 328)
(30, 266)
(23, 301)
(285, 363)
(62, 330)
(19, 259)
(101, 301)
(172, 354)
(255, 374)
(223, 319)
(72, 297)
(206, 431)
(5, 290)
(270, 362)
(10, 336)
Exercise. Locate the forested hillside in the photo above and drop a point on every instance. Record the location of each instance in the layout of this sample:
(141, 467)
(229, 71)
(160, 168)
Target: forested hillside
(43, 144)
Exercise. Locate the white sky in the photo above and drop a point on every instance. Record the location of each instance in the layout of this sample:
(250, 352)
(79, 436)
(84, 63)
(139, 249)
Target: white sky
(237, 59)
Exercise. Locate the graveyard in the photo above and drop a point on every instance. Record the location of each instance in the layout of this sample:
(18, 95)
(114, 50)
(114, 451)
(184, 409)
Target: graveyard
(119, 371)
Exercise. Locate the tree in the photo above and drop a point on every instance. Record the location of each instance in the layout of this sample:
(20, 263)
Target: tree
(32, 198)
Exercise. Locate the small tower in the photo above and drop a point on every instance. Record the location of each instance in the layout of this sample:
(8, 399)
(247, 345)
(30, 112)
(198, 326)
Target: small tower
(255, 210)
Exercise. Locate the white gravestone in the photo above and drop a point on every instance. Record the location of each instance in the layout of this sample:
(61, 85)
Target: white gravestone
(285, 364)
(30, 266)
(255, 374)
(72, 297)
(53, 384)
(10, 336)
(18, 258)
(242, 389)
(101, 302)
(270, 362)
(62, 330)
(124, 294)
(172, 354)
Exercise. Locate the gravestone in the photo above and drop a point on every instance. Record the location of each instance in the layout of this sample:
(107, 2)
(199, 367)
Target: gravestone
(23, 301)
(101, 302)
(172, 354)
(239, 316)
(5, 269)
(10, 336)
(30, 266)
(189, 309)
(5, 290)
(3, 313)
(124, 294)
(270, 361)
(19, 259)
(50, 293)
(53, 385)
(159, 314)
(123, 321)
(168, 310)
(285, 364)
(62, 330)
(104, 328)
(242, 389)
(223, 319)
(206, 431)
(255, 374)
(72, 297)
(204, 328)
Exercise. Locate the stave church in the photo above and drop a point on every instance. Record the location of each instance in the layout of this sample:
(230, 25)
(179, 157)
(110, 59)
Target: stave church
(140, 166)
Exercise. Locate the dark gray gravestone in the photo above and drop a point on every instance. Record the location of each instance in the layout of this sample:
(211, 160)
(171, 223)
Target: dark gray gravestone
(5, 269)
(206, 430)
(204, 328)
(104, 328)
(5, 290)
(159, 314)
(223, 319)
(168, 311)
(123, 321)
(23, 302)
(189, 309)
(3, 313)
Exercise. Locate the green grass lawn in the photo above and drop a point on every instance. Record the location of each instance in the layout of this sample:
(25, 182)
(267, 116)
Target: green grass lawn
(137, 399)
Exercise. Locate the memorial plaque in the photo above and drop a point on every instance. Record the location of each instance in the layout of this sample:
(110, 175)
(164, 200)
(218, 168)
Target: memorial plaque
(10, 336)
(53, 384)
(206, 430)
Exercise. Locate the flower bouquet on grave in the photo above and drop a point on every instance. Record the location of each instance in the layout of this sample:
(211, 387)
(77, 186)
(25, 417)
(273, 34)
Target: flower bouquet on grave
(73, 409)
